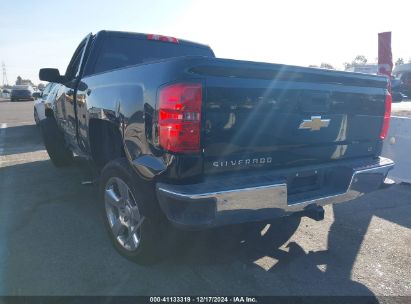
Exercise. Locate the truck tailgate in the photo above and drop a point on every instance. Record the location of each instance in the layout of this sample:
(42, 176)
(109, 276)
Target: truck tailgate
(263, 115)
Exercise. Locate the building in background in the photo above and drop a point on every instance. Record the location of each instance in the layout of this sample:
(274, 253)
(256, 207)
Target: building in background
(371, 68)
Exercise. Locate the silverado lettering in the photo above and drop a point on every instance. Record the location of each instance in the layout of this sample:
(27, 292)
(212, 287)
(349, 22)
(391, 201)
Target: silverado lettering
(243, 162)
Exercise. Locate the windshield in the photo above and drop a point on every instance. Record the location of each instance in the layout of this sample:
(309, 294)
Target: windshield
(118, 52)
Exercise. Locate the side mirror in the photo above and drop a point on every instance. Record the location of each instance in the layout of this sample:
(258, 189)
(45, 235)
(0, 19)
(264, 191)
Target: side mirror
(36, 95)
(50, 75)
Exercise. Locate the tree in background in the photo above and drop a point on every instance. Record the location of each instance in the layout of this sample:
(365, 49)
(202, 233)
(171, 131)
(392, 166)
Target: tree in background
(21, 81)
(325, 65)
(358, 60)
(399, 61)
(41, 86)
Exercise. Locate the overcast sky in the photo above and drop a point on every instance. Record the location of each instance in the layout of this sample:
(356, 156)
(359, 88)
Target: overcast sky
(45, 33)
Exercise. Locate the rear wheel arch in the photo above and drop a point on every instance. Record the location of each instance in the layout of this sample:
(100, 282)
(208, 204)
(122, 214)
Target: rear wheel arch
(105, 141)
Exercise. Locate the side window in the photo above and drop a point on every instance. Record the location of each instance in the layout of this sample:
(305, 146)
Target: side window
(74, 64)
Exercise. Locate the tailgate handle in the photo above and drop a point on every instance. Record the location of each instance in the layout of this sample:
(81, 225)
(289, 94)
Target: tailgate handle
(315, 102)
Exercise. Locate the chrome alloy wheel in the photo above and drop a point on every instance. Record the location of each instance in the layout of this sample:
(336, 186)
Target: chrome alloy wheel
(122, 213)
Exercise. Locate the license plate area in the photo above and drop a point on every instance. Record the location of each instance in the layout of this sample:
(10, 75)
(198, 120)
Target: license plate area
(304, 181)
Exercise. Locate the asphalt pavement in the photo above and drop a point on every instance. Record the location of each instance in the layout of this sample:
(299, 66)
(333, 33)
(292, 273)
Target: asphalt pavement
(52, 239)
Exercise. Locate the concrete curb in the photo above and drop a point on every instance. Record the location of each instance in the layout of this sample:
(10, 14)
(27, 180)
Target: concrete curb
(397, 146)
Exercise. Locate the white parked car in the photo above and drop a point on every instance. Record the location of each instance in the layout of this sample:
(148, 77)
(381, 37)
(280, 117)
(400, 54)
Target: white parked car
(5, 93)
(43, 100)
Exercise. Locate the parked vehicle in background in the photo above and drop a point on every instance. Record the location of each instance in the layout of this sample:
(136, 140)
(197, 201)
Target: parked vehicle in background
(182, 137)
(21, 92)
(403, 73)
(5, 93)
(372, 68)
(44, 101)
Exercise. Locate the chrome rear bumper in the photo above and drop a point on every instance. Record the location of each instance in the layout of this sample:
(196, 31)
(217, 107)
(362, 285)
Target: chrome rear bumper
(253, 198)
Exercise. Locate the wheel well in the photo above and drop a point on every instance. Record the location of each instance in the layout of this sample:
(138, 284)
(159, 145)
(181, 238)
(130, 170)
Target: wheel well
(106, 142)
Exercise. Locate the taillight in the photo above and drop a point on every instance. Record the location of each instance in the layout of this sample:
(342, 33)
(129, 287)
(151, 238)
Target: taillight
(162, 38)
(387, 115)
(179, 117)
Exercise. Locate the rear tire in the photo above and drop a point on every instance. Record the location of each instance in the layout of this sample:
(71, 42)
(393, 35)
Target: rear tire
(53, 138)
(133, 220)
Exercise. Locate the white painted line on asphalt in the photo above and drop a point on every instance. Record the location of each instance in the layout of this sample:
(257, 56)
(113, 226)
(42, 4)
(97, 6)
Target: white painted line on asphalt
(23, 158)
(30, 122)
(18, 123)
(403, 117)
(3, 127)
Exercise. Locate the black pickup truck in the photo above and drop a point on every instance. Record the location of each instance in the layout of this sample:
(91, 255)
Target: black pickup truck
(179, 136)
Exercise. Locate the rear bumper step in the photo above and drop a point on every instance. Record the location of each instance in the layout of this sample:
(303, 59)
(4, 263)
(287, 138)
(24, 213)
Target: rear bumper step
(229, 200)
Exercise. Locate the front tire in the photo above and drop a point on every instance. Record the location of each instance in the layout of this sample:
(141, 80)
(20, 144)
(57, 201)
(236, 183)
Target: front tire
(130, 214)
(53, 138)
(36, 117)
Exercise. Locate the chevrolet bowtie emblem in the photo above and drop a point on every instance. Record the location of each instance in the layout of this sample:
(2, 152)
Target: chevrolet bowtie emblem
(314, 124)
